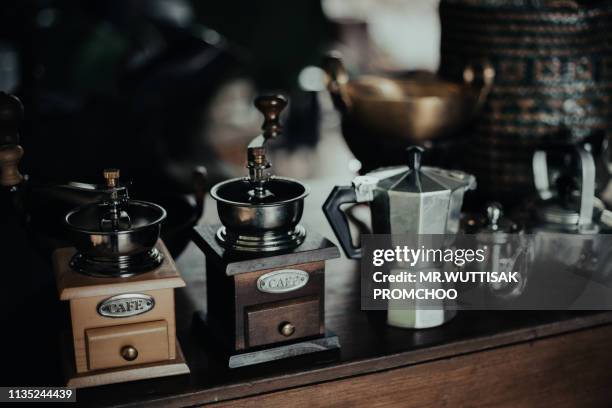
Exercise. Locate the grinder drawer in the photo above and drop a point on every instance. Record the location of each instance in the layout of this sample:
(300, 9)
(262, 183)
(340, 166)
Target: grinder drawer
(283, 321)
(128, 344)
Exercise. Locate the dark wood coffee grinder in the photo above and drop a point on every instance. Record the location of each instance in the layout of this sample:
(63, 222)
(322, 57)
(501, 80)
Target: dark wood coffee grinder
(265, 272)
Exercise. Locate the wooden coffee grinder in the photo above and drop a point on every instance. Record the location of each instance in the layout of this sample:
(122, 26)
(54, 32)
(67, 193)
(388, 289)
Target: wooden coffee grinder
(265, 272)
(119, 280)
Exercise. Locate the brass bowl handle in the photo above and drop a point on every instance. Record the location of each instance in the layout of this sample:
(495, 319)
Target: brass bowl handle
(336, 80)
(480, 81)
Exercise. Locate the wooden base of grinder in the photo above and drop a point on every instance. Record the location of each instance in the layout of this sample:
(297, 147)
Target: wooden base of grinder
(264, 307)
(178, 366)
(122, 328)
(321, 349)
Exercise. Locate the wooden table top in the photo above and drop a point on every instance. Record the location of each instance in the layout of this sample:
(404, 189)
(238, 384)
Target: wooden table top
(368, 345)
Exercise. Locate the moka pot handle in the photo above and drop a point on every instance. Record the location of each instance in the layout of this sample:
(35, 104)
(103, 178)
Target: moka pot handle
(361, 191)
(338, 220)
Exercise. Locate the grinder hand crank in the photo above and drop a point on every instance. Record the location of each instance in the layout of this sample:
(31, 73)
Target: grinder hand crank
(271, 107)
(261, 212)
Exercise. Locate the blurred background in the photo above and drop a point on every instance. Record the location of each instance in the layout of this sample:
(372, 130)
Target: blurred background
(174, 80)
(159, 88)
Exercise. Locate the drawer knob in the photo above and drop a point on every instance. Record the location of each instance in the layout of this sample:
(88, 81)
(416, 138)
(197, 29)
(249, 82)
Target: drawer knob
(286, 329)
(129, 353)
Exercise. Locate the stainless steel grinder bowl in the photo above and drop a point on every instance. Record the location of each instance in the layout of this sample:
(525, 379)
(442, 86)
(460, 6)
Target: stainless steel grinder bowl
(261, 212)
(266, 225)
(123, 250)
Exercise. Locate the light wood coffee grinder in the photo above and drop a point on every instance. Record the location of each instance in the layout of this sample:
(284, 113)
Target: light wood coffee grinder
(119, 279)
(265, 272)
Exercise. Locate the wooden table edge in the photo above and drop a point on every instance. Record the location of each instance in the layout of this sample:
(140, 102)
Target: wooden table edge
(382, 363)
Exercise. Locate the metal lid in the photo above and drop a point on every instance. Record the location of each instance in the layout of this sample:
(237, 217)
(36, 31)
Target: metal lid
(559, 216)
(418, 179)
(89, 218)
(497, 222)
(495, 228)
(239, 191)
(556, 214)
(115, 213)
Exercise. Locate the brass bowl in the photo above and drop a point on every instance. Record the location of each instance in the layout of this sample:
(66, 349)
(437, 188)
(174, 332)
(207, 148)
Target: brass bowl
(408, 109)
(384, 114)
